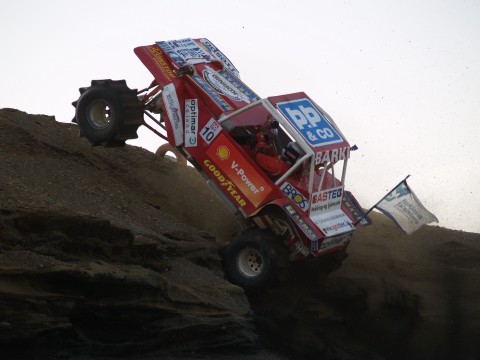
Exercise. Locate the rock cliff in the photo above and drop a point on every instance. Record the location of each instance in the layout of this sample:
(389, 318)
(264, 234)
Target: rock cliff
(112, 253)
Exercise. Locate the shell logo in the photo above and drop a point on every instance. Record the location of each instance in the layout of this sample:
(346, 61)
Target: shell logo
(223, 152)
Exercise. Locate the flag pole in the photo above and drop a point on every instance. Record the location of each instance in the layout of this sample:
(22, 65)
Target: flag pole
(378, 202)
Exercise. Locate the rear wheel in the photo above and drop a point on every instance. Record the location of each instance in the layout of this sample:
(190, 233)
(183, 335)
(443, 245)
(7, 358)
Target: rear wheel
(108, 113)
(249, 260)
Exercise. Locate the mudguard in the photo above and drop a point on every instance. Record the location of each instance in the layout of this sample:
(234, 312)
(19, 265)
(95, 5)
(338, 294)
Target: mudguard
(302, 222)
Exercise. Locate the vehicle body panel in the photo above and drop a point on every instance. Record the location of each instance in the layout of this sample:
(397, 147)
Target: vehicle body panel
(212, 115)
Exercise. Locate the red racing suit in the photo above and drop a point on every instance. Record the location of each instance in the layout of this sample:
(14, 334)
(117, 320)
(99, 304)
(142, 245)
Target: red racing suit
(266, 157)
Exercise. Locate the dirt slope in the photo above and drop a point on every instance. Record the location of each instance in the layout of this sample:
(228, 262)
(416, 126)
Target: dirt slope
(395, 297)
(112, 253)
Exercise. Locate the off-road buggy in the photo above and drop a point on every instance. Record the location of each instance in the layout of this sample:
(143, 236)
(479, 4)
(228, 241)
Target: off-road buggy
(198, 104)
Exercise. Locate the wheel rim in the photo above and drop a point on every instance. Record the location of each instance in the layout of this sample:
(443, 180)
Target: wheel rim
(99, 114)
(250, 262)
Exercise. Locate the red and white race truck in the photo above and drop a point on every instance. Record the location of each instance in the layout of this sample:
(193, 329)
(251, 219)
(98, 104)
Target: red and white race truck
(278, 163)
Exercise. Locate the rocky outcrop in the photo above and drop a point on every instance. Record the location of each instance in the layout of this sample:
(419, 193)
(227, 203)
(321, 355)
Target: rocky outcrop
(95, 258)
(80, 282)
(112, 253)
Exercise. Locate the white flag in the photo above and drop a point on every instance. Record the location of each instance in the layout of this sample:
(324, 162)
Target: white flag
(403, 207)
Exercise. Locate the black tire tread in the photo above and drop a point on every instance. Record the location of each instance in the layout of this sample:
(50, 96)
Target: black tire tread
(131, 115)
(263, 241)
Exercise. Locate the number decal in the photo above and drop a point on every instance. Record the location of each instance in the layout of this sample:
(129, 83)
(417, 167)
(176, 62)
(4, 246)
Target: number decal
(210, 131)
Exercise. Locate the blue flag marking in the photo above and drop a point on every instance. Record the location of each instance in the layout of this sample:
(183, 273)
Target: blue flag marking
(401, 190)
(311, 124)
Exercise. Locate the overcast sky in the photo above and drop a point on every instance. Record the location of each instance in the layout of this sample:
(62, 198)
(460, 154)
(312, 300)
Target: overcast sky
(400, 78)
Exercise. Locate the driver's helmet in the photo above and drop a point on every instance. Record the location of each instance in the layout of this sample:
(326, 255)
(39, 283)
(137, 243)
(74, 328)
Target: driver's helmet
(270, 129)
(291, 152)
(265, 137)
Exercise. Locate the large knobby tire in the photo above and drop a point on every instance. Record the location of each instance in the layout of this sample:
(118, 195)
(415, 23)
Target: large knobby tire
(108, 113)
(250, 260)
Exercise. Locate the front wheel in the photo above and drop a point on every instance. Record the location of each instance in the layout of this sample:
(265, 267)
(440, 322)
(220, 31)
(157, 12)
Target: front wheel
(249, 260)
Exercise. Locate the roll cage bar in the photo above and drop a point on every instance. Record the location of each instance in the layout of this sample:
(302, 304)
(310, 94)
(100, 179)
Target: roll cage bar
(294, 135)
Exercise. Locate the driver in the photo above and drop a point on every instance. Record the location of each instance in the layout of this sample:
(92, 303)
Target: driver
(266, 155)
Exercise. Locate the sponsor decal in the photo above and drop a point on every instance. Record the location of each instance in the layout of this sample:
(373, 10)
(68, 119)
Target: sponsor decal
(220, 56)
(170, 99)
(185, 52)
(333, 222)
(223, 86)
(311, 124)
(243, 174)
(355, 209)
(327, 200)
(223, 152)
(239, 85)
(214, 95)
(335, 241)
(191, 122)
(295, 195)
(332, 156)
(300, 221)
(210, 131)
(162, 63)
(225, 182)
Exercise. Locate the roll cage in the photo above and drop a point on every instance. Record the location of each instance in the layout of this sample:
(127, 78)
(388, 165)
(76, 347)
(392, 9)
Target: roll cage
(313, 173)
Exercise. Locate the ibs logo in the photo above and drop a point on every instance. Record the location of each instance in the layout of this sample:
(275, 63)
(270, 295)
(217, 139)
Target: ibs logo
(223, 152)
(306, 118)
